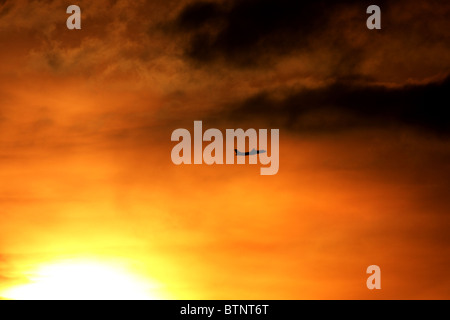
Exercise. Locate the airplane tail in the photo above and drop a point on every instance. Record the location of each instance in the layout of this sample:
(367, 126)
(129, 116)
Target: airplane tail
(235, 152)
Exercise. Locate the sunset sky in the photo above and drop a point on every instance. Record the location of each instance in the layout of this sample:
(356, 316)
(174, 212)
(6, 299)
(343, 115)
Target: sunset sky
(88, 188)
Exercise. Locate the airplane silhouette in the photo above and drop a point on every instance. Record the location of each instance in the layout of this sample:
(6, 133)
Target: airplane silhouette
(251, 153)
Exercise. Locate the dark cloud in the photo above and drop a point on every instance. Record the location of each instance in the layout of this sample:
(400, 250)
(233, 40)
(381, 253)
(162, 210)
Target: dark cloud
(343, 105)
(246, 33)
(197, 14)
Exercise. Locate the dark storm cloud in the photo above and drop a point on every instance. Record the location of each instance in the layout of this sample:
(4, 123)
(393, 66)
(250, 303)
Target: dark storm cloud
(249, 32)
(343, 105)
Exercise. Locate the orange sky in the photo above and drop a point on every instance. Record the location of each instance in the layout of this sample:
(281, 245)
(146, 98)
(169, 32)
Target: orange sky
(85, 169)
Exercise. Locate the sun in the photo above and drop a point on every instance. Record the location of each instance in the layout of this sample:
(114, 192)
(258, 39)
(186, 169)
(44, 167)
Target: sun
(84, 280)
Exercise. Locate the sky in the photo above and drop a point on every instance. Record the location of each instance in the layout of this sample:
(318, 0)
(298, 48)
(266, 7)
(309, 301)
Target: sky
(86, 176)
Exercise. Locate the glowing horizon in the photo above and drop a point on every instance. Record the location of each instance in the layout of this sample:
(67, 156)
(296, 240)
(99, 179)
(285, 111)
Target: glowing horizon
(83, 279)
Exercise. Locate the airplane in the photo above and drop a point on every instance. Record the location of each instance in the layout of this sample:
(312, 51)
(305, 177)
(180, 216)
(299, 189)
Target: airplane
(251, 153)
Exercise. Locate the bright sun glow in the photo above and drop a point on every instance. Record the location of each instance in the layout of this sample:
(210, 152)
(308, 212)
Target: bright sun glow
(81, 280)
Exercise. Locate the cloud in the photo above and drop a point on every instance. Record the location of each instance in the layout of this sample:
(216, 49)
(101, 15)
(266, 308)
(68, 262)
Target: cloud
(250, 32)
(331, 36)
(112, 43)
(262, 40)
(344, 104)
